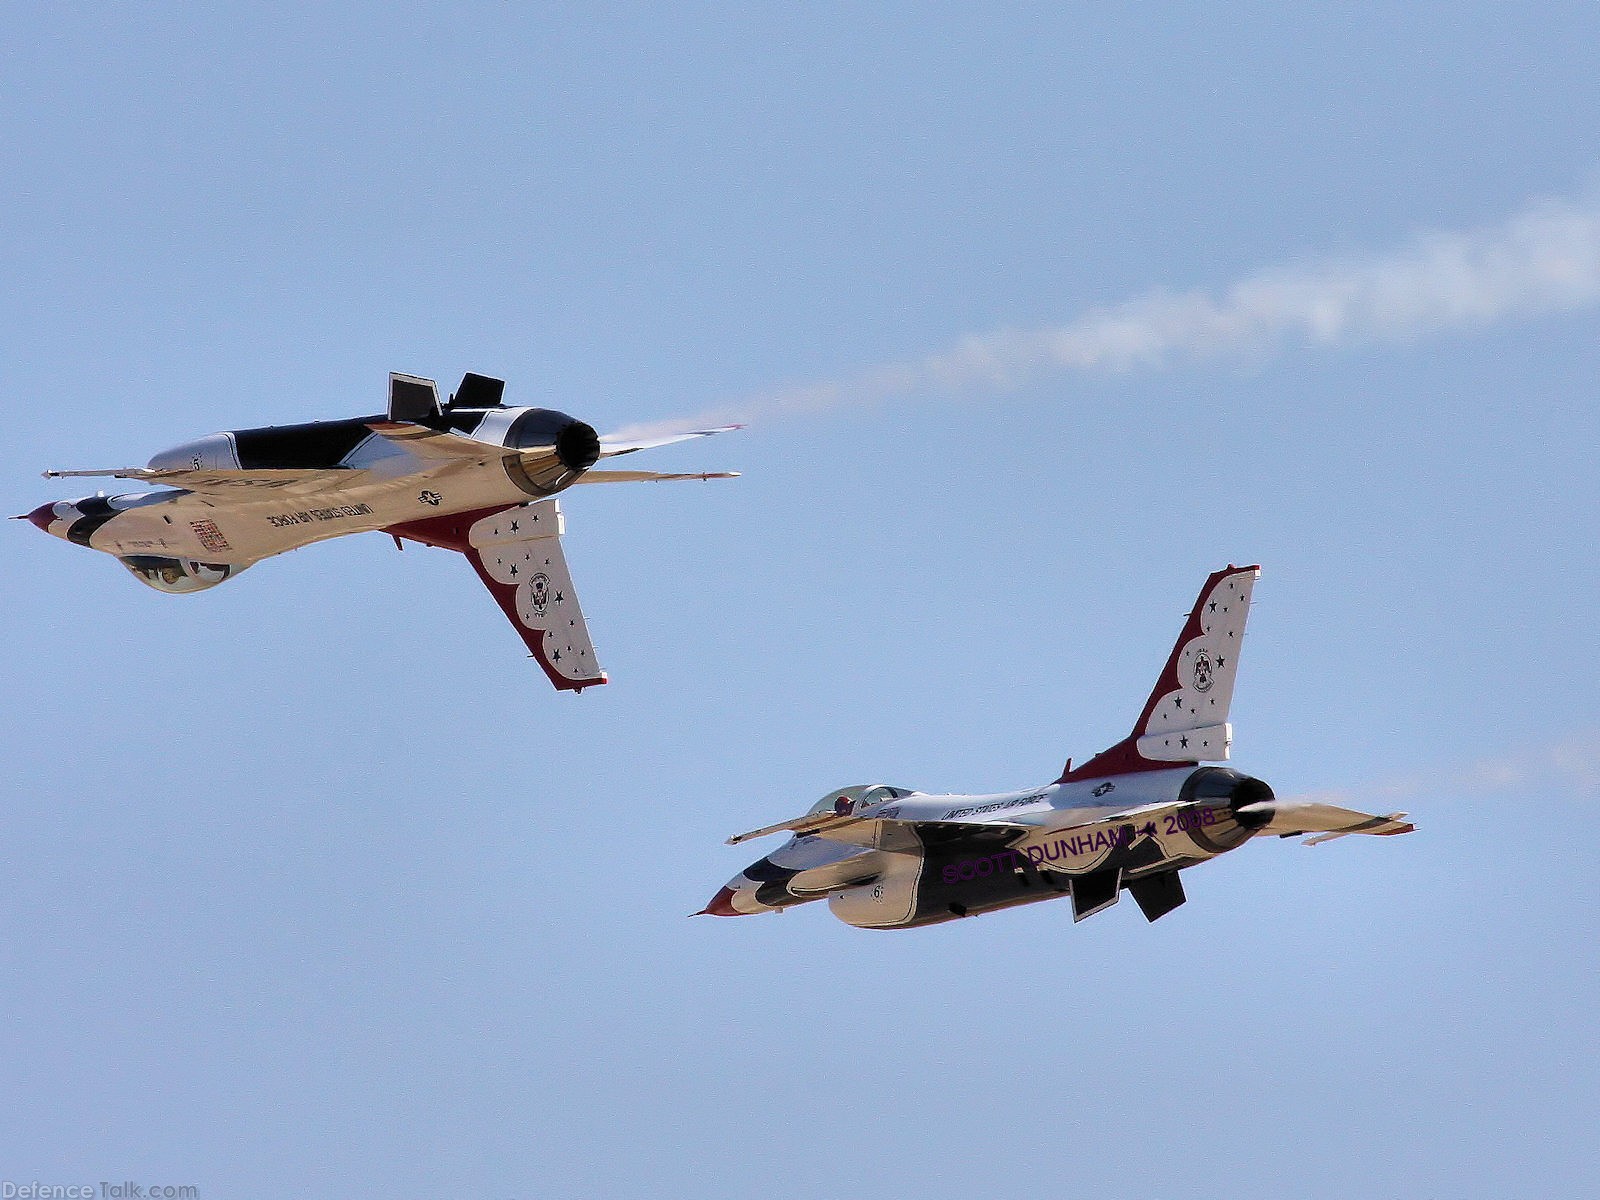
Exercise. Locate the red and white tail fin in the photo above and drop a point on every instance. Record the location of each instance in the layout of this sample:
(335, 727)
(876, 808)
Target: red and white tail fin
(516, 551)
(1185, 720)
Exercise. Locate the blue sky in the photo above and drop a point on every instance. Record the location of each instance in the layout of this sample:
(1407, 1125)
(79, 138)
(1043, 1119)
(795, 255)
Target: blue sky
(313, 887)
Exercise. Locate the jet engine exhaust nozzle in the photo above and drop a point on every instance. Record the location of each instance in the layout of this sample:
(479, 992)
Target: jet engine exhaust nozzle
(578, 446)
(1253, 803)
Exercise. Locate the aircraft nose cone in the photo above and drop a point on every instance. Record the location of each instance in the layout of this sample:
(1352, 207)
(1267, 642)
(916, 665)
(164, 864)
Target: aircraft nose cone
(42, 516)
(721, 905)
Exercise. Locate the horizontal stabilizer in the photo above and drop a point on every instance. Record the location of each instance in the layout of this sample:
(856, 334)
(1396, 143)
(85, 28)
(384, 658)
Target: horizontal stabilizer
(651, 476)
(1387, 826)
(614, 444)
(1288, 817)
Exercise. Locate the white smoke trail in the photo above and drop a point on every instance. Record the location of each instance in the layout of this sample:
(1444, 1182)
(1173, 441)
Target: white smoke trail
(1544, 259)
(1565, 770)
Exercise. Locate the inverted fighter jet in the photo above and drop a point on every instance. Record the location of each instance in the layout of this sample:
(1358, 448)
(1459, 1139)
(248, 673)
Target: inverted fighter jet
(1131, 819)
(469, 474)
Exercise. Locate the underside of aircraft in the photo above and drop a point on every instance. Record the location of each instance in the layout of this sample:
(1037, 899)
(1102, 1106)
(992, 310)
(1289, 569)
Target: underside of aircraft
(467, 474)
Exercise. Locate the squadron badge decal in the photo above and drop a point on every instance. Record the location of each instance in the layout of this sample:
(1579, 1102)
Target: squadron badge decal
(541, 593)
(1202, 671)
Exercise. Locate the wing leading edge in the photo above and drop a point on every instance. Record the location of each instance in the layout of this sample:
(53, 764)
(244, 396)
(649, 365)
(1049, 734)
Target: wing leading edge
(516, 551)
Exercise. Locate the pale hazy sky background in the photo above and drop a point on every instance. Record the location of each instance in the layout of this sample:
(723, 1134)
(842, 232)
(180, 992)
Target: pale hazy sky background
(313, 887)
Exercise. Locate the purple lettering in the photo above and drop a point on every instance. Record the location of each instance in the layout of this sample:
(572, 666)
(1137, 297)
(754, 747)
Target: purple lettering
(950, 874)
(1036, 854)
(968, 870)
(983, 867)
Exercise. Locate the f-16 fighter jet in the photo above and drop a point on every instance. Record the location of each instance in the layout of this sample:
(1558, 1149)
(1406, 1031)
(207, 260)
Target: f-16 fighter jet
(1131, 818)
(469, 474)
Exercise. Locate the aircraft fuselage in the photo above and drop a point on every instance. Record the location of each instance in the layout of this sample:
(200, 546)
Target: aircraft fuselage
(307, 483)
(946, 857)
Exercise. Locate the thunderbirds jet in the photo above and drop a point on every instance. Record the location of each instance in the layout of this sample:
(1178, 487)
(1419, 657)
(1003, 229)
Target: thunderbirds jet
(1131, 818)
(469, 475)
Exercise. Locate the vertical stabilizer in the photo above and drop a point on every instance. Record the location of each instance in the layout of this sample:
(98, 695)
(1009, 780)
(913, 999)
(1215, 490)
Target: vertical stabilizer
(516, 551)
(1185, 720)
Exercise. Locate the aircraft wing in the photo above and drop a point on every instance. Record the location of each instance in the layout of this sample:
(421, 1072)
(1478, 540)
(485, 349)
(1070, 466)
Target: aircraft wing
(236, 483)
(442, 445)
(886, 833)
(516, 551)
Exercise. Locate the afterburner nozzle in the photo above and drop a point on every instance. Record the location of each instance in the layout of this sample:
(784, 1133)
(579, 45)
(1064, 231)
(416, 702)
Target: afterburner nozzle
(578, 446)
(1253, 803)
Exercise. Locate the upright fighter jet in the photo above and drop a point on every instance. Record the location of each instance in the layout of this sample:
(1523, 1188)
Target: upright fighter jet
(1131, 818)
(468, 474)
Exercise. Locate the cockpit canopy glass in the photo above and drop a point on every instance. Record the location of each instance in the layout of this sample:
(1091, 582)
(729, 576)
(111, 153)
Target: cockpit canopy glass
(177, 575)
(860, 795)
